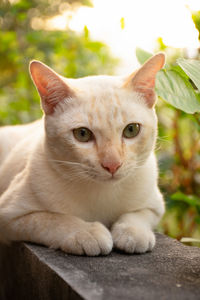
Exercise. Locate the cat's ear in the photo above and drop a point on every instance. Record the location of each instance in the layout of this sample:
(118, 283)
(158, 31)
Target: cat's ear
(143, 81)
(51, 87)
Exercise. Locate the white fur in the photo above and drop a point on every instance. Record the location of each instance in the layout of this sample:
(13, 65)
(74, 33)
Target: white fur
(78, 206)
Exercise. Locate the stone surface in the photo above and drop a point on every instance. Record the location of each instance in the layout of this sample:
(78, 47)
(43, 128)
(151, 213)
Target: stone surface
(171, 271)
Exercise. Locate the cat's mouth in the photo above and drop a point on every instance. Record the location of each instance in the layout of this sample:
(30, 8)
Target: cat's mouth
(112, 178)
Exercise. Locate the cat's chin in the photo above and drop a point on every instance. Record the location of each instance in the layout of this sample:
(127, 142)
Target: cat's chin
(108, 180)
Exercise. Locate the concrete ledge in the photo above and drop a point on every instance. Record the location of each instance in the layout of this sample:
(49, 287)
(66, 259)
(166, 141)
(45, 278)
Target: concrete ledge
(171, 271)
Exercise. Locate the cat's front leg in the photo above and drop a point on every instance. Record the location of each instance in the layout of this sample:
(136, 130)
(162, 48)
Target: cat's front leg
(68, 233)
(133, 232)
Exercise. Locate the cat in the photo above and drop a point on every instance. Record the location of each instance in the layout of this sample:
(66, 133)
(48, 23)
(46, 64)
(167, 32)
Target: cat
(84, 178)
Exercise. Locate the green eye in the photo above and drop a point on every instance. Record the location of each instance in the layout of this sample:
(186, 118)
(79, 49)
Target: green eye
(131, 130)
(83, 134)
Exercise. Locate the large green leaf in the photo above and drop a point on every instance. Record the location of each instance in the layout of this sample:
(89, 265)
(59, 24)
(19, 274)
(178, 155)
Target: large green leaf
(142, 55)
(177, 90)
(192, 69)
(173, 86)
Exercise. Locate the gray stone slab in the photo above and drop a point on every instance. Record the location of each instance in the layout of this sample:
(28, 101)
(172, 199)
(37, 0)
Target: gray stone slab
(171, 271)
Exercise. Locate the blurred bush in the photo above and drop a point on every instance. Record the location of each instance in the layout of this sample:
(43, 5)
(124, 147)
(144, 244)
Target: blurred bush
(178, 84)
(179, 160)
(178, 148)
(25, 36)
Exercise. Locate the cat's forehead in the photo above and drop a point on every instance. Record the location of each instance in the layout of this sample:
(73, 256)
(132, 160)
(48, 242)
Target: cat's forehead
(100, 92)
(105, 103)
(95, 84)
(108, 93)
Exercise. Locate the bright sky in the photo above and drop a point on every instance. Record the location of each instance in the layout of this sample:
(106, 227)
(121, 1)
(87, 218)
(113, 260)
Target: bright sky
(145, 21)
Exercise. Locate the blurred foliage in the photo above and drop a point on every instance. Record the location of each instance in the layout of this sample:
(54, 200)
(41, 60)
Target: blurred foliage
(18, 14)
(179, 161)
(70, 54)
(178, 147)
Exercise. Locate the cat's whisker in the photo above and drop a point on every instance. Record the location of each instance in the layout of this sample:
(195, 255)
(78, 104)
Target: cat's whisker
(90, 173)
(66, 162)
(132, 166)
(163, 139)
(84, 168)
(157, 148)
(73, 175)
(75, 180)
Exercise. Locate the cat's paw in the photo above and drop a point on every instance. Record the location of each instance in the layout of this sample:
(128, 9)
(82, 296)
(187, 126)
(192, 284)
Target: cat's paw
(131, 239)
(92, 240)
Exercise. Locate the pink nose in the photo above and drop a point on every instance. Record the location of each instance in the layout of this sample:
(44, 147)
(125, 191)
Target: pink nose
(111, 167)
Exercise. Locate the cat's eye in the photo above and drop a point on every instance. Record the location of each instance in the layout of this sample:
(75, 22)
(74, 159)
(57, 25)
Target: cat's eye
(131, 130)
(83, 134)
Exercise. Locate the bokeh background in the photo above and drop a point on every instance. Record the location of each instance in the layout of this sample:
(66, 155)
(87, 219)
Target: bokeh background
(86, 37)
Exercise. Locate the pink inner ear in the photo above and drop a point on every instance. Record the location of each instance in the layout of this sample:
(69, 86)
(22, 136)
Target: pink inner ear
(41, 84)
(143, 81)
(51, 87)
(148, 94)
(145, 86)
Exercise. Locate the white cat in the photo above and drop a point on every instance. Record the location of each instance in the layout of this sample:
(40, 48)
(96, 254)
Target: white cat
(84, 177)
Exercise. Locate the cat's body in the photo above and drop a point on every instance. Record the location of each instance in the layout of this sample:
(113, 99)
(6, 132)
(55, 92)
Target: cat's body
(63, 192)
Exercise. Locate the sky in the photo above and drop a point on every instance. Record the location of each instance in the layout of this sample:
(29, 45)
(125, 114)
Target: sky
(144, 22)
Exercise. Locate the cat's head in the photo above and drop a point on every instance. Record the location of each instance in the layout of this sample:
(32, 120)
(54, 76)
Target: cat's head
(100, 128)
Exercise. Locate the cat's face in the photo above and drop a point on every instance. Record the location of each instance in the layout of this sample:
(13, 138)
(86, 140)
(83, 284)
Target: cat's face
(103, 129)
(109, 131)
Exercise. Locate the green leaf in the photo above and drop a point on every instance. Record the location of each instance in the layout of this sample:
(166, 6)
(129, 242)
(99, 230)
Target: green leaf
(179, 70)
(192, 200)
(142, 55)
(192, 69)
(173, 86)
(177, 90)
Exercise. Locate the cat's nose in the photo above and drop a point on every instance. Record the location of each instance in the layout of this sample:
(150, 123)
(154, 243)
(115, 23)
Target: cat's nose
(111, 167)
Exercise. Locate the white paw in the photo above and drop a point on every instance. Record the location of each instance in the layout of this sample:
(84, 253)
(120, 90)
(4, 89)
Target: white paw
(131, 239)
(92, 240)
